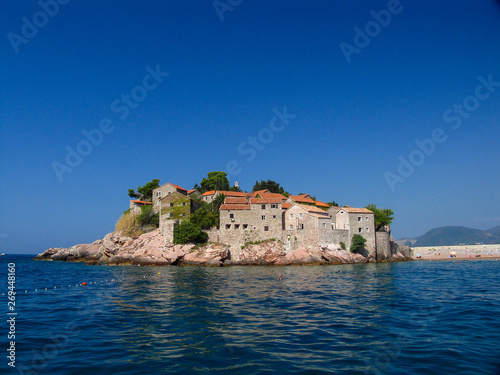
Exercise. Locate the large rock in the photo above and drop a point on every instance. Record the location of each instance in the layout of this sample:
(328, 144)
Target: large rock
(211, 255)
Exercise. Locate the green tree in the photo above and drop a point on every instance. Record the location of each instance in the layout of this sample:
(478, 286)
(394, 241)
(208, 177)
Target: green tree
(382, 216)
(217, 202)
(216, 180)
(204, 217)
(144, 192)
(357, 242)
(187, 232)
(333, 203)
(270, 185)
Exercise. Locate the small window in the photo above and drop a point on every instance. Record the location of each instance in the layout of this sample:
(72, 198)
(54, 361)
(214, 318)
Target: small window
(228, 226)
(274, 206)
(300, 215)
(360, 230)
(245, 226)
(183, 214)
(291, 216)
(263, 217)
(367, 229)
(171, 205)
(359, 218)
(231, 216)
(236, 226)
(366, 218)
(324, 225)
(263, 206)
(171, 214)
(266, 229)
(301, 226)
(274, 216)
(291, 226)
(183, 203)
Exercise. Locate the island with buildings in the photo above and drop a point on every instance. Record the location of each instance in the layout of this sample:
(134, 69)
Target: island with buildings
(260, 227)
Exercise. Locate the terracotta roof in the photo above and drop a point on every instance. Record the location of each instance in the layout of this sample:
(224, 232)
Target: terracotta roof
(322, 204)
(190, 191)
(353, 210)
(235, 207)
(286, 205)
(265, 200)
(302, 199)
(211, 192)
(232, 193)
(137, 201)
(312, 209)
(235, 200)
(273, 195)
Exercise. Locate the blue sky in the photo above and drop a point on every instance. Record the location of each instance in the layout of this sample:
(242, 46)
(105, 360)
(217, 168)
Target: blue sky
(226, 80)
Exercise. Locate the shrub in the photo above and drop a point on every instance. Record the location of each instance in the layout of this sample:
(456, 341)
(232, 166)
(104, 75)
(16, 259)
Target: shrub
(127, 223)
(148, 218)
(187, 232)
(342, 245)
(357, 242)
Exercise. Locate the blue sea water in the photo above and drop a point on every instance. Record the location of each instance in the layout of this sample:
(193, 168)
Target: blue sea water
(440, 317)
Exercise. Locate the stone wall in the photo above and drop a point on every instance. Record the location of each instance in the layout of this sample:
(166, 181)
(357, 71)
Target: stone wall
(384, 250)
(472, 250)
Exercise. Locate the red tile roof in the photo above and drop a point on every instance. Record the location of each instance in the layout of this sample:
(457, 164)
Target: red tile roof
(322, 204)
(235, 200)
(265, 200)
(211, 192)
(312, 209)
(235, 207)
(286, 205)
(302, 199)
(137, 201)
(232, 193)
(190, 191)
(353, 210)
(273, 195)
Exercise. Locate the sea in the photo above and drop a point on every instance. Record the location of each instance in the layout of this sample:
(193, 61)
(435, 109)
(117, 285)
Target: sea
(417, 317)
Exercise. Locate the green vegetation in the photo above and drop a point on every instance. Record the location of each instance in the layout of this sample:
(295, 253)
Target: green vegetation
(357, 242)
(145, 192)
(333, 203)
(187, 232)
(342, 245)
(148, 218)
(216, 180)
(383, 216)
(270, 185)
(205, 217)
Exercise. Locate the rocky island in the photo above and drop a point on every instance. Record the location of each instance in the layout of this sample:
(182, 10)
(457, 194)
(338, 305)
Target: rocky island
(170, 225)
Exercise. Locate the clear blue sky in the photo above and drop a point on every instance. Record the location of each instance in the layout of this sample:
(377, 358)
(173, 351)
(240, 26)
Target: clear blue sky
(353, 120)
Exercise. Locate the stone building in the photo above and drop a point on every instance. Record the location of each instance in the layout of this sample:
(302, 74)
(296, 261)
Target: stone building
(209, 196)
(357, 221)
(135, 206)
(164, 190)
(305, 225)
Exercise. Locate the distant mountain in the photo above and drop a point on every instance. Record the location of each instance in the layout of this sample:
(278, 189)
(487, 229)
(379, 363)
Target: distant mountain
(449, 236)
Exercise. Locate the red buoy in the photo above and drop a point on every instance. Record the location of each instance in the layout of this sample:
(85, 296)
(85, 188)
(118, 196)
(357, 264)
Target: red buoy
(84, 283)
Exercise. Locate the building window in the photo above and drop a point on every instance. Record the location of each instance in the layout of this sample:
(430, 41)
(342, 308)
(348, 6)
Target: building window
(263, 206)
(171, 214)
(183, 214)
(171, 205)
(367, 229)
(360, 230)
(274, 206)
(291, 216)
(359, 218)
(366, 218)
(324, 225)
(183, 203)
(266, 229)
(263, 217)
(245, 226)
(291, 226)
(236, 226)
(228, 226)
(301, 226)
(231, 216)
(300, 215)
(274, 216)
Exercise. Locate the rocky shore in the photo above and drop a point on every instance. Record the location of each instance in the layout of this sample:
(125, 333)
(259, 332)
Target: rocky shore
(149, 249)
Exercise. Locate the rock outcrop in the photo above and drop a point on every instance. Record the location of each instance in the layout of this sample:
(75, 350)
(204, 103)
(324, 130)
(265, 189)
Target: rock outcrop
(149, 249)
